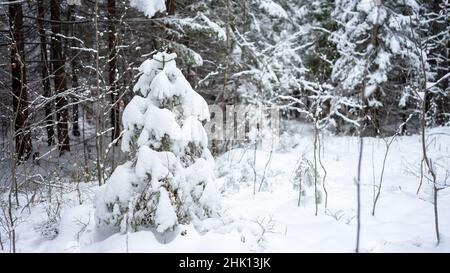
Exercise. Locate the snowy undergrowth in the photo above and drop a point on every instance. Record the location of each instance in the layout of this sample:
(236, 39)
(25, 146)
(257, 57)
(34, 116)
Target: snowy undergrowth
(270, 220)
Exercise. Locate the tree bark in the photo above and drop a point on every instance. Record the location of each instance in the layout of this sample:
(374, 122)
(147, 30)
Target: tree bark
(75, 69)
(23, 144)
(170, 4)
(112, 67)
(46, 85)
(99, 105)
(59, 78)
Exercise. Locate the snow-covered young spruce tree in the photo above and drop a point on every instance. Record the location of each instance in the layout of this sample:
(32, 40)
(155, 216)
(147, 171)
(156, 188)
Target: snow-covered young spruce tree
(168, 179)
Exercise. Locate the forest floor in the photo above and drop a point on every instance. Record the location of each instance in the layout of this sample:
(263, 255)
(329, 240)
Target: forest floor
(271, 220)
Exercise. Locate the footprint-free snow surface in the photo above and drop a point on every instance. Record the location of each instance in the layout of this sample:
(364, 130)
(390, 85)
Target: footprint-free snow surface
(264, 215)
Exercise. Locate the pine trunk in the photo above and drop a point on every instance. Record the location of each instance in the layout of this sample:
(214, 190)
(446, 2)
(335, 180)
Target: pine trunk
(23, 144)
(46, 85)
(75, 70)
(170, 5)
(59, 78)
(112, 66)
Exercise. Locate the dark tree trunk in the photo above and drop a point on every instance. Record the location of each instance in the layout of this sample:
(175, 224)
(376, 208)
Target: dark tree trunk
(75, 70)
(170, 5)
(75, 85)
(23, 145)
(59, 78)
(112, 66)
(46, 85)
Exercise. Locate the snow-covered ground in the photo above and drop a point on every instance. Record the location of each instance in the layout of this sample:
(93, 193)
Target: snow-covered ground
(271, 220)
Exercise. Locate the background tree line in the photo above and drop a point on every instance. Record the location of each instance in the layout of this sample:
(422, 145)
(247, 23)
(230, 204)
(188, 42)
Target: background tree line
(67, 70)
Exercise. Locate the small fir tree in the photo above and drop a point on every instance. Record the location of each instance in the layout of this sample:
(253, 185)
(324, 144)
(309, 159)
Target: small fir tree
(168, 179)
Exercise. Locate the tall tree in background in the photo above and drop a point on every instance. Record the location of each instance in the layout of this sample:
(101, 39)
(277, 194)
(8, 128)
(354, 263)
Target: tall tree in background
(99, 115)
(71, 12)
(19, 83)
(59, 77)
(46, 85)
(112, 67)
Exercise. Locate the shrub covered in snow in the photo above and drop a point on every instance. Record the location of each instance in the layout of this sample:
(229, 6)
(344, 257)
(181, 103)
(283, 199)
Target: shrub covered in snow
(303, 179)
(168, 179)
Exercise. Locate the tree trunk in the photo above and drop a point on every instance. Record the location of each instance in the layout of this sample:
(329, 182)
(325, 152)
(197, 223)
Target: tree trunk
(112, 66)
(45, 75)
(59, 78)
(75, 83)
(23, 144)
(99, 115)
(170, 5)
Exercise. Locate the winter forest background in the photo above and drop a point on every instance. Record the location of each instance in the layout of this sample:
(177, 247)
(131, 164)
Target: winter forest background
(107, 143)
